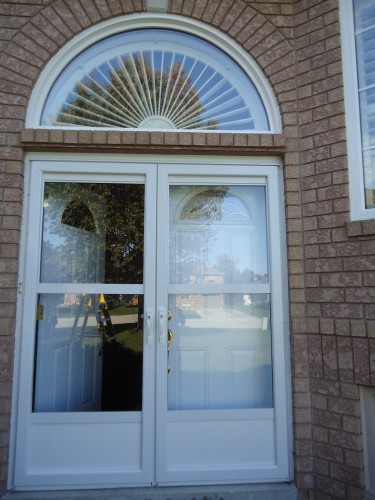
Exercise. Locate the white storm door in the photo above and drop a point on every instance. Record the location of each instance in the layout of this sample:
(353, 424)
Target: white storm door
(86, 405)
(221, 388)
(152, 296)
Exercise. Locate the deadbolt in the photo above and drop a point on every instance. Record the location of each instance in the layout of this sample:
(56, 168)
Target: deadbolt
(170, 336)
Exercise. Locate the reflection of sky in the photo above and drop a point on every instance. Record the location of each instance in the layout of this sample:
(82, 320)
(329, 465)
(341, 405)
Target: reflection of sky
(367, 57)
(367, 102)
(366, 70)
(364, 12)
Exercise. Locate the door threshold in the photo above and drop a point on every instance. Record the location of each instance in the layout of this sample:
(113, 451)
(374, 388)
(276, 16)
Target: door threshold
(276, 491)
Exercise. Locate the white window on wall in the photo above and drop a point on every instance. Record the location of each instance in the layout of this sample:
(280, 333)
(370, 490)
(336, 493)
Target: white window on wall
(146, 72)
(155, 79)
(358, 44)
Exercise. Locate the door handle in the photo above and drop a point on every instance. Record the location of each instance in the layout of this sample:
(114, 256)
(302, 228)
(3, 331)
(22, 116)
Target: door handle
(161, 325)
(149, 326)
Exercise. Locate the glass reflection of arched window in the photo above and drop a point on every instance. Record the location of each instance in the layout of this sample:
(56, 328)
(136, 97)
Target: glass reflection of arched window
(217, 204)
(78, 215)
(218, 230)
(155, 79)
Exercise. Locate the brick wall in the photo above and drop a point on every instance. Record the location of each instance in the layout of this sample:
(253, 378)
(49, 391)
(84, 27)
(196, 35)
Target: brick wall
(13, 102)
(338, 256)
(330, 260)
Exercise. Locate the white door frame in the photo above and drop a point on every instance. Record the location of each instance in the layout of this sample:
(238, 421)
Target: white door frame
(34, 469)
(170, 433)
(269, 167)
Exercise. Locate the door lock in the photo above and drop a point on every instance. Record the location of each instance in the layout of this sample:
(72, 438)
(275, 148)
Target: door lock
(170, 336)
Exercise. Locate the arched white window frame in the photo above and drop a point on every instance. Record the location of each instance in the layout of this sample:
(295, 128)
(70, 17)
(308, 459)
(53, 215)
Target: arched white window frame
(151, 20)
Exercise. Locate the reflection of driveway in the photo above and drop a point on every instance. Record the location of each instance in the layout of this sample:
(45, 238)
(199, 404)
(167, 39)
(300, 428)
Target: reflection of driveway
(123, 319)
(219, 318)
(92, 322)
(68, 322)
(221, 359)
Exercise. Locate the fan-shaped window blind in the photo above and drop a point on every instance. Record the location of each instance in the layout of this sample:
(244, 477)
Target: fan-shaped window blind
(155, 79)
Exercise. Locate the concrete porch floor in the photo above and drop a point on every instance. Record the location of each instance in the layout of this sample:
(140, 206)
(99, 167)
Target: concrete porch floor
(217, 492)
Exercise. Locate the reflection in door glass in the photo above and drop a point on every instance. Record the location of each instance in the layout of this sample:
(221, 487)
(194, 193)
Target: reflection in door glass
(89, 353)
(219, 352)
(92, 233)
(218, 234)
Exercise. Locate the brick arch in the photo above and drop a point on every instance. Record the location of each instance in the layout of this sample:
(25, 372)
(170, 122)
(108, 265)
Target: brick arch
(251, 29)
(40, 38)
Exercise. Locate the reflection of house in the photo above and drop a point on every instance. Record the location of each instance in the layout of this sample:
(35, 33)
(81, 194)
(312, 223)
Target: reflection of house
(247, 299)
(370, 197)
(95, 95)
(210, 301)
(134, 300)
(212, 277)
(71, 299)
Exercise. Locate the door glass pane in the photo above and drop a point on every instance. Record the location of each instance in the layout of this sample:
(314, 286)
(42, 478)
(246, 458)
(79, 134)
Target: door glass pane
(89, 353)
(217, 234)
(219, 352)
(92, 233)
(219, 345)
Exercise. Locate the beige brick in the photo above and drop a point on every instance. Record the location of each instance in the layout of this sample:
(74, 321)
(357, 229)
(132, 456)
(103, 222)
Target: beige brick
(293, 43)
(114, 137)
(142, 138)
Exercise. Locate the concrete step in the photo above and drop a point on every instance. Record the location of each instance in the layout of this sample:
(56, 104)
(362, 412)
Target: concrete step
(221, 492)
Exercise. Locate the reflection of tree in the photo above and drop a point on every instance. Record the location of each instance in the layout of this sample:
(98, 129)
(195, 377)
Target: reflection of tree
(109, 233)
(124, 232)
(77, 214)
(121, 378)
(232, 274)
(130, 90)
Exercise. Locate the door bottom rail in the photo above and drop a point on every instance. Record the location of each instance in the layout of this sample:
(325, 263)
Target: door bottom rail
(276, 491)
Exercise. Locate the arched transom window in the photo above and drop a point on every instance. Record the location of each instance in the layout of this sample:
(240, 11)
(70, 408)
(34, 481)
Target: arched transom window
(155, 79)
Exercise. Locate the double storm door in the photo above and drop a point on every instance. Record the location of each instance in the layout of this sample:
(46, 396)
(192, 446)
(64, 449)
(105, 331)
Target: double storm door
(157, 353)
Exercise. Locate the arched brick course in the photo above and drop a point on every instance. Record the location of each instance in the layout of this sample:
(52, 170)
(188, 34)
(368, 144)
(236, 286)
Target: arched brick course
(42, 35)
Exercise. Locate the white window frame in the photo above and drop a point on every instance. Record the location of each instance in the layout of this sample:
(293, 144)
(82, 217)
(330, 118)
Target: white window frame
(353, 117)
(151, 20)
